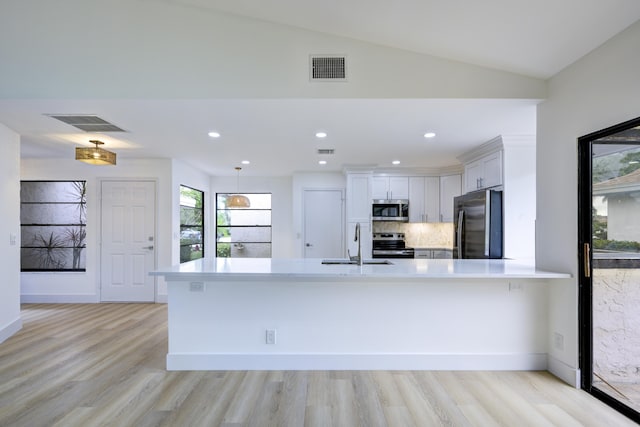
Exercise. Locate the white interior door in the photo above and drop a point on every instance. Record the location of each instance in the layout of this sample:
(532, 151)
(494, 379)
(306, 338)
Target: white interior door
(323, 224)
(128, 241)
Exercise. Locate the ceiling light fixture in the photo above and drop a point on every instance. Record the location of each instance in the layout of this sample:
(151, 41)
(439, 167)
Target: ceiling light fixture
(238, 200)
(322, 162)
(321, 134)
(245, 162)
(214, 134)
(95, 155)
(429, 135)
(396, 162)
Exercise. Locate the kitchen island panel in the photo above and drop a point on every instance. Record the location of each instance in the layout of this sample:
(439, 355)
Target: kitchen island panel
(343, 324)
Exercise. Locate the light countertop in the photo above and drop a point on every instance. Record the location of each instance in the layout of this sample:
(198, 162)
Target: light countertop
(212, 269)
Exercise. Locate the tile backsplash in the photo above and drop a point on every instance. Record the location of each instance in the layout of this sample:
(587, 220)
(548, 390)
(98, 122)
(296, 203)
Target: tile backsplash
(419, 235)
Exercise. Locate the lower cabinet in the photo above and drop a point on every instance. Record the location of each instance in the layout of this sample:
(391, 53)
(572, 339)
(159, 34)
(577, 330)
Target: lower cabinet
(436, 253)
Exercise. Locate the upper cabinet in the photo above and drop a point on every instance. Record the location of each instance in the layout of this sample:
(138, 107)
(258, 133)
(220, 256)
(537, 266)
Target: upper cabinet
(390, 187)
(424, 199)
(450, 187)
(484, 172)
(359, 197)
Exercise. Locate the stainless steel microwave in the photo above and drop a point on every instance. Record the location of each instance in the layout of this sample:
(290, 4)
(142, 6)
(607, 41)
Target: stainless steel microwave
(390, 210)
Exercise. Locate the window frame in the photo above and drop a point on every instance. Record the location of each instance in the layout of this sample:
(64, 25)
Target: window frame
(202, 225)
(218, 226)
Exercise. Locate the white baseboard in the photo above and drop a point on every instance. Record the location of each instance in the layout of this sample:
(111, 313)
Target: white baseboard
(163, 299)
(10, 329)
(354, 362)
(566, 373)
(70, 299)
(58, 298)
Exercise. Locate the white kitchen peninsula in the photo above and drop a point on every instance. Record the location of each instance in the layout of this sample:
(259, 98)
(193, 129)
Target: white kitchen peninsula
(414, 314)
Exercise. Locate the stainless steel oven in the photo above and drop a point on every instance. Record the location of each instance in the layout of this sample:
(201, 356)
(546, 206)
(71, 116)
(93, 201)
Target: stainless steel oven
(390, 245)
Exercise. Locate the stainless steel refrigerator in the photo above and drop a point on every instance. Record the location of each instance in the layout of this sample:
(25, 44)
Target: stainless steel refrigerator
(478, 225)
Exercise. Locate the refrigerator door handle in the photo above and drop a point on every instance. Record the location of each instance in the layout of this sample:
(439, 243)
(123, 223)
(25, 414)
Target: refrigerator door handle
(487, 222)
(459, 236)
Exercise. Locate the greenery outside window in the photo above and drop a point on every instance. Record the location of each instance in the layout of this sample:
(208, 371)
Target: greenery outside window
(53, 217)
(191, 224)
(244, 232)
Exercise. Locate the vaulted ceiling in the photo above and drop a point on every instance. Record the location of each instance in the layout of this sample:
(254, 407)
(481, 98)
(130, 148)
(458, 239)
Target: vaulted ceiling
(169, 71)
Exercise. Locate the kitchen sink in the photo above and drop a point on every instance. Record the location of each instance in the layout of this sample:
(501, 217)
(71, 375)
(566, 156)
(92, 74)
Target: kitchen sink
(351, 262)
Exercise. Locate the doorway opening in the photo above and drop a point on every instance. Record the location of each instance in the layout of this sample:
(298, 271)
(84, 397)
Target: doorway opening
(609, 284)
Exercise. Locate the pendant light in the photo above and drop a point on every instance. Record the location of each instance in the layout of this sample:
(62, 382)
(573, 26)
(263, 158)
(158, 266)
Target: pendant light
(95, 155)
(238, 200)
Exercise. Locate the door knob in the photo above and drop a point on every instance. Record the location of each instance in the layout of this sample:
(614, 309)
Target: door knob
(308, 245)
(148, 247)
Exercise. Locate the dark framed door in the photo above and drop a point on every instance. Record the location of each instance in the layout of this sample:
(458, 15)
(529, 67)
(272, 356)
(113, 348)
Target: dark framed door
(609, 247)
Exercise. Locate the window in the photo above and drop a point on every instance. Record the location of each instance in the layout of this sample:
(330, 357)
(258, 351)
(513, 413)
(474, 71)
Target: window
(53, 217)
(244, 232)
(191, 224)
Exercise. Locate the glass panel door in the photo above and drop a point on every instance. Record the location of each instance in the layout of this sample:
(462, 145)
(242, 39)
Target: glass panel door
(610, 286)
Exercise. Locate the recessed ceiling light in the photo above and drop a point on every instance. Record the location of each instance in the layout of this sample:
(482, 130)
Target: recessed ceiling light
(245, 162)
(214, 134)
(322, 162)
(321, 134)
(429, 135)
(396, 162)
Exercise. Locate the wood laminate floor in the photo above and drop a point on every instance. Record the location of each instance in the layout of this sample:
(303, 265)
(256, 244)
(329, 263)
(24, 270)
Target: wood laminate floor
(104, 364)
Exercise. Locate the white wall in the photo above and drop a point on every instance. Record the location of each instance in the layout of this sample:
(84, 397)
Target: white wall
(281, 207)
(10, 320)
(598, 91)
(84, 286)
(309, 181)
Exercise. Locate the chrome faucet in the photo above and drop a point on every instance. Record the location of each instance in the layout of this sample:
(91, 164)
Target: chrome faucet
(357, 239)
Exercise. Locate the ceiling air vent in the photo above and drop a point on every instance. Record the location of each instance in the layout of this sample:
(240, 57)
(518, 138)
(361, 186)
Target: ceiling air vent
(328, 68)
(87, 123)
(326, 150)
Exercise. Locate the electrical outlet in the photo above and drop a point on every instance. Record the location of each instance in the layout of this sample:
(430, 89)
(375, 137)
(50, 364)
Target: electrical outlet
(196, 286)
(12, 239)
(271, 336)
(558, 341)
(515, 286)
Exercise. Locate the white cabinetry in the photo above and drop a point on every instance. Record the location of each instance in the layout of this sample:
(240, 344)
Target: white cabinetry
(390, 187)
(424, 199)
(484, 172)
(450, 187)
(358, 197)
(422, 253)
(359, 211)
(508, 161)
